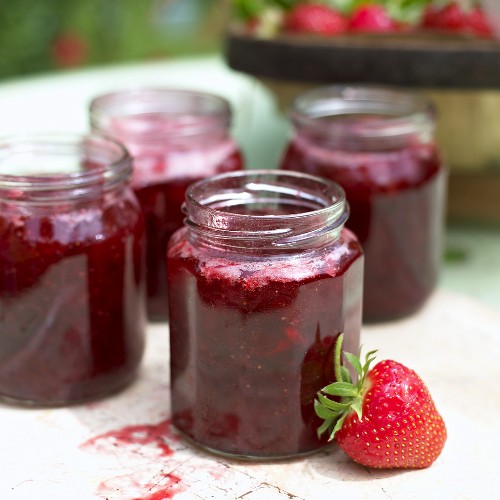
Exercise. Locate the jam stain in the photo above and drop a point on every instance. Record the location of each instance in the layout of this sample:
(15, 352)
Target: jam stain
(169, 490)
(162, 487)
(155, 435)
(138, 484)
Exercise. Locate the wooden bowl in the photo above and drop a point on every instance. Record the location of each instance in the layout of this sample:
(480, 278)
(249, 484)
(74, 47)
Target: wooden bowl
(461, 76)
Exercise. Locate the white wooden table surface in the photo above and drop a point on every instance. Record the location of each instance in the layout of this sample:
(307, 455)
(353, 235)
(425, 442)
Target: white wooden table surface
(125, 448)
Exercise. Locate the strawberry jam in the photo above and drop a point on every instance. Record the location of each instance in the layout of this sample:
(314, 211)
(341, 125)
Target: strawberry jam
(175, 137)
(72, 283)
(377, 144)
(262, 280)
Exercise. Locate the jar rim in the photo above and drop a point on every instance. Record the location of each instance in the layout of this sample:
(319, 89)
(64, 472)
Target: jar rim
(162, 102)
(393, 112)
(109, 164)
(325, 207)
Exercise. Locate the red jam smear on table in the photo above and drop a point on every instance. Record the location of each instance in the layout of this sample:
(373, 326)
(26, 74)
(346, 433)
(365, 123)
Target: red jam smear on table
(155, 435)
(395, 196)
(71, 308)
(256, 344)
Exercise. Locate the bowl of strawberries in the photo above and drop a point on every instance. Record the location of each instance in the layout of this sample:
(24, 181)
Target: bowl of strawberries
(419, 43)
(447, 49)
(266, 18)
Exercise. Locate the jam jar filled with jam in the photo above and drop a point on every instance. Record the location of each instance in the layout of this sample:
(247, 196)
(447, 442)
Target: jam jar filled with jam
(175, 137)
(377, 143)
(262, 280)
(72, 272)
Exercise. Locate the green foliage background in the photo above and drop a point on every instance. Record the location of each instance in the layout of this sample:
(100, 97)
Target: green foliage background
(109, 30)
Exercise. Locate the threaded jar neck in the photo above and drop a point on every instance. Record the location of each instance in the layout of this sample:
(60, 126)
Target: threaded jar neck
(362, 118)
(265, 210)
(151, 115)
(45, 169)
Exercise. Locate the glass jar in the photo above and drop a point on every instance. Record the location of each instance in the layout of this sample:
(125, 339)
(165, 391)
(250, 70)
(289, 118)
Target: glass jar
(72, 278)
(175, 138)
(265, 278)
(378, 144)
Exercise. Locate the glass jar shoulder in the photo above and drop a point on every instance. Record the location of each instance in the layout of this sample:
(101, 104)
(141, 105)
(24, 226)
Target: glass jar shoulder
(75, 224)
(299, 265)
(390, 170)
(156, 163)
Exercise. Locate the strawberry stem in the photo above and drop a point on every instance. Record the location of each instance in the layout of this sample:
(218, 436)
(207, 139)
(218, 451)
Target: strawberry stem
(337, 358)
(351, 395)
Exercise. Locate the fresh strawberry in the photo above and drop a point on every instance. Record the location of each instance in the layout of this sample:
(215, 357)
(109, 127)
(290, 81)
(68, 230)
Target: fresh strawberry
(371, 18)
(386, 420)
(315, 18)
(448, 18)
(429, 17)
(478, 24)
(452, 18)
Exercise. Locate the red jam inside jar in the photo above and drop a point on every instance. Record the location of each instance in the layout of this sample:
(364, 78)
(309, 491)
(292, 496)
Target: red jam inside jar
(262, 280)
(378, 145)
(175, 137)
(72, 278)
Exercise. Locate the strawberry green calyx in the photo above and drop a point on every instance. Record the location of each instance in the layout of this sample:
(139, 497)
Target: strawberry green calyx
(348, 393)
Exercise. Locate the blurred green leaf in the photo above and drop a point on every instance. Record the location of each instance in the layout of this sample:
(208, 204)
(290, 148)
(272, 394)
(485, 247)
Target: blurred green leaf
(455, 255)
(33, 31)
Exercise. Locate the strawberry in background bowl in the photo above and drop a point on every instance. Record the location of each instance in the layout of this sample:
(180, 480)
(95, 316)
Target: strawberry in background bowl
(330, 18)
(455, 18)
(315, 18)
(372, 18)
